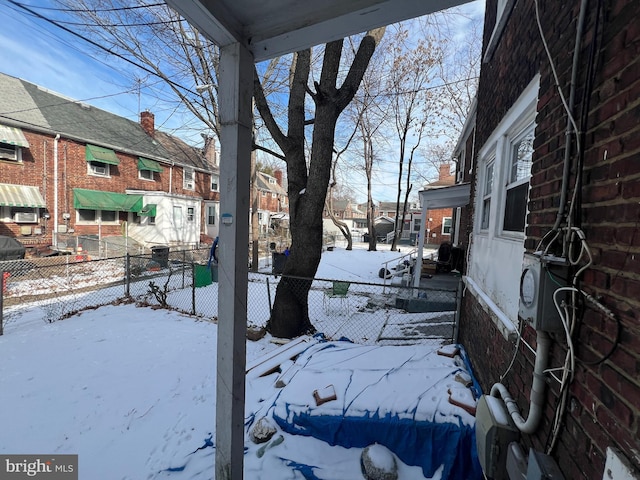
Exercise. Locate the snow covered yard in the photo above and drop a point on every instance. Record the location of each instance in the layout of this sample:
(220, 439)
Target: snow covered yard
(131, 390)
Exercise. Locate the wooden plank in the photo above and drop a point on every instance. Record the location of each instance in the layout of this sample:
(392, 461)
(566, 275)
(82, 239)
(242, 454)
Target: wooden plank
(271, 361)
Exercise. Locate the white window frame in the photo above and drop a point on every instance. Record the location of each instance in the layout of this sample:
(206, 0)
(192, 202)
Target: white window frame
(515, 179)
(10, 153)
(191, 214)
(274, 195)
(444, 225)
(488, 179)
(215, 182)
(188, 178)
(93, 165)
(212, 213)
(98, 218)
(148, 175)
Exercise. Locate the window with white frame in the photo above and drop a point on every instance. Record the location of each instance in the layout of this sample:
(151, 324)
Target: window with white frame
(215, 183)
(99, 169)
(487, 190)
(188, 178)
(446, 225)
(10, 152)
(211, 214)
(517, 185)
(145, 175)
(191, 214)
(416, 224)
(86, 216)
(274, 195)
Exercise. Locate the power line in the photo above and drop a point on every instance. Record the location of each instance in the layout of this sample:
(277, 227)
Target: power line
(96, 44)
(119, 9)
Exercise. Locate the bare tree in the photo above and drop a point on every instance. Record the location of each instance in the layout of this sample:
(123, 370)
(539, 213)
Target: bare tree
(308, 181)
(411, 70)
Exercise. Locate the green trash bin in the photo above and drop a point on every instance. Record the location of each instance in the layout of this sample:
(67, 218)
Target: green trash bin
(202, 276)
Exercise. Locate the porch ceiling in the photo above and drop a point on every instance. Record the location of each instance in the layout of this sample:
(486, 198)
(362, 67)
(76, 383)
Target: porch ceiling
(276, 27)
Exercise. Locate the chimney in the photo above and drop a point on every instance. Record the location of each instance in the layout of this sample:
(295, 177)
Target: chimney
(278, 175)
(210, 154)
(445, 172)
(147, 120)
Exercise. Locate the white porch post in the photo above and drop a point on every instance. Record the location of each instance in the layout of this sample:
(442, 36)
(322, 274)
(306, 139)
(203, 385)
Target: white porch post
(235, 93)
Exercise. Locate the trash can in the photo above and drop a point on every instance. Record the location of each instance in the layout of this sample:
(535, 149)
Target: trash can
(160, 255)
(278, 261)
(202, 275)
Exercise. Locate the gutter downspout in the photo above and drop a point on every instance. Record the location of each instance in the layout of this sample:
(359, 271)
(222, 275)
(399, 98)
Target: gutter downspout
(537, 389)
(55, 190)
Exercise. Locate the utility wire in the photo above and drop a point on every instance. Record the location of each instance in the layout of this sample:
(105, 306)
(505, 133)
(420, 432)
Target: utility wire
(96, 44)
(119, 9)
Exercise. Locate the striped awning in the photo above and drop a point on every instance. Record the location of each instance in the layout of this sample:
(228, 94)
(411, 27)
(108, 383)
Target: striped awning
(20, 196)
(13, 136)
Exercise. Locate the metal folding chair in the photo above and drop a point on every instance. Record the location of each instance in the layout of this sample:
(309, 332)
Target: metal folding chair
(340, 291)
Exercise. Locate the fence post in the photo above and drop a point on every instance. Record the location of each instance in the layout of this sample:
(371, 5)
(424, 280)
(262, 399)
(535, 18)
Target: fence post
(456, 321)
(193, 288)
(1, 302)
(127, 274)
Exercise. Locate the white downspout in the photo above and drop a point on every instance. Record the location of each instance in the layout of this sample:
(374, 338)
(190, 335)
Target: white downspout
(55, 189)
(537, 389)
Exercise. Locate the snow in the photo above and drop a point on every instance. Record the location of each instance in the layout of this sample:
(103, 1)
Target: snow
(131, 390)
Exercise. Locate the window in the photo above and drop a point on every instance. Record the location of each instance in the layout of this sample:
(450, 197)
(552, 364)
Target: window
(215, 183)
(446, 226)
(211, 215)
(272, 181)
(486, 198)
(98, 168)
(10, 152)
(264, 194)
(145, 174)
(96, 216)
(188, 179)
(416, 224)
(517, 190)
(190, 214)
(274, 195)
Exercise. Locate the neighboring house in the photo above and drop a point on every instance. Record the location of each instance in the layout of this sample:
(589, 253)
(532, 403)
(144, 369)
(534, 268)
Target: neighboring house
(273, 205)
(535, 188)
(352, 214)
(68, 168)
(439, 221)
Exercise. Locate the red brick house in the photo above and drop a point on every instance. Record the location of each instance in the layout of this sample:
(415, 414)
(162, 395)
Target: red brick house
(70, 169)
(554, 214)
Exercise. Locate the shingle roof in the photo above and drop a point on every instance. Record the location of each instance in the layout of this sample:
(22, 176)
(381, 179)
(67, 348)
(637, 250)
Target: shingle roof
(262, 179)
(31, 107)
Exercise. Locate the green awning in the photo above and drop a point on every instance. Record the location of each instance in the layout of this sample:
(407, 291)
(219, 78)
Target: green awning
(13, 136)
(146, 164)
(99, 154)
(20, 196)
(98, 200)
(149, 210)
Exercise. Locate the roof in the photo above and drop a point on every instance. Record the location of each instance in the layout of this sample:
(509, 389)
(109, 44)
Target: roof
(31, 107)
(262, 180)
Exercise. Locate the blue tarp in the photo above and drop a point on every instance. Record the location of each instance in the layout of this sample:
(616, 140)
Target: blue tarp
(420, 429)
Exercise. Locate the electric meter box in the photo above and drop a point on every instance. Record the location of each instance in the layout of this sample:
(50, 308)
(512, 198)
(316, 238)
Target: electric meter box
(541, 277)
(495, 430)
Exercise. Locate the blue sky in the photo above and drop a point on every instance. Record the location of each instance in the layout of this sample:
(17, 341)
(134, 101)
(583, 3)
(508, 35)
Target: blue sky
(41, 53)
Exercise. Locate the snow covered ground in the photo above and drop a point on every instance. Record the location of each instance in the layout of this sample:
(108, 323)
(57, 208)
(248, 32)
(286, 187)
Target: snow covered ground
(131, 390)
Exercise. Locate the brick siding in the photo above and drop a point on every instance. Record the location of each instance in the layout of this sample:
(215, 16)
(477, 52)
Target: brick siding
(604, 400)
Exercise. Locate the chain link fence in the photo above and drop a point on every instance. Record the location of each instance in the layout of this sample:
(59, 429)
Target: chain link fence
(365, 313)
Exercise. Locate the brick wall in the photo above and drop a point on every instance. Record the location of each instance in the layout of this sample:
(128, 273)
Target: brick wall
(37, 169)
(604, 400)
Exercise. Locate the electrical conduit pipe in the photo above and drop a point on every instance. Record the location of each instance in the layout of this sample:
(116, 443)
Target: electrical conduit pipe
(536, 401)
